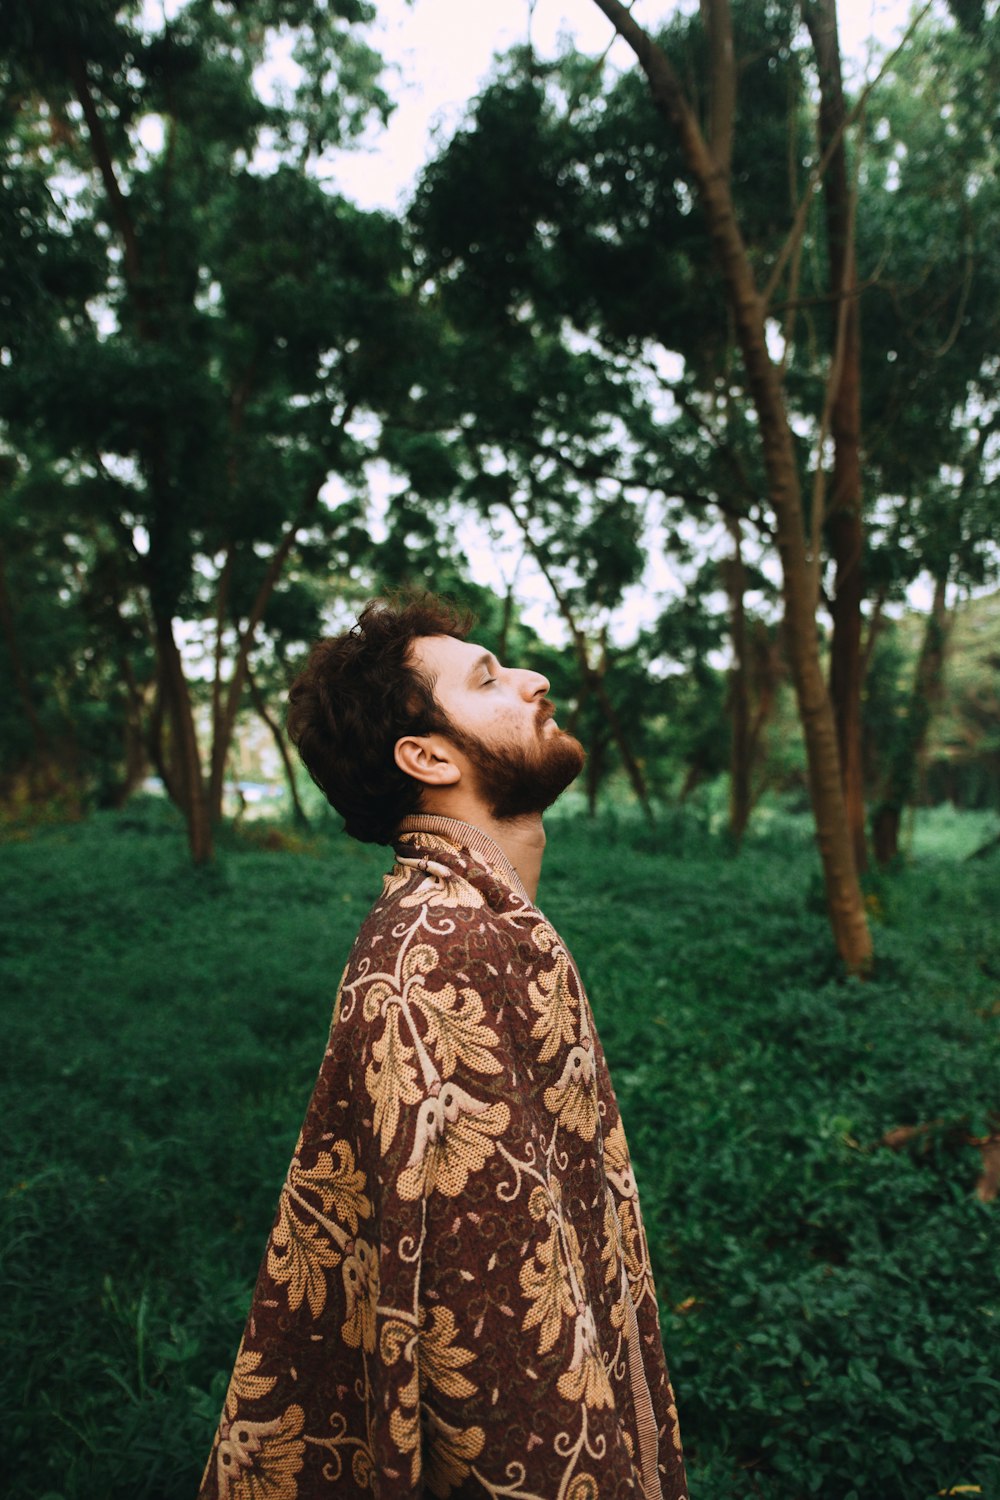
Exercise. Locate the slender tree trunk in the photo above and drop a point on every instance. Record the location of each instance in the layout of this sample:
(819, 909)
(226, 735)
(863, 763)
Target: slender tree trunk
(595, 769)
(43, 748)
(768, 672)
(188, 784)
(572, 724)
(845, 904)
(885, 827)
(632, 768)
(692, 779)
(591, 676)
(158, 751)
(136, 761)
(260, 705)
(222, 735)
(739, 691)
(135, 743)
(505, 621)
(901, 781)
(844, 531)
(844, 521)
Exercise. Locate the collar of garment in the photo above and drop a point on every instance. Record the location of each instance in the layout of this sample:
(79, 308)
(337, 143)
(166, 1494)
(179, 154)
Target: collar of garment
(468, 836)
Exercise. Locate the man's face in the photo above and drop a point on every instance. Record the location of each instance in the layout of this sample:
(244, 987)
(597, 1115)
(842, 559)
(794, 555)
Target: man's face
(502, 724)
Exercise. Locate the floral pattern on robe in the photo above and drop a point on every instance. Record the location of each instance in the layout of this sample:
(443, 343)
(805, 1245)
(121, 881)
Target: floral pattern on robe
(456, 1298)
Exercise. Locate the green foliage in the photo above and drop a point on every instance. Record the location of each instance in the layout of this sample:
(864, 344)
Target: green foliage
(198, 337)
(593, 377)
(829, 1305)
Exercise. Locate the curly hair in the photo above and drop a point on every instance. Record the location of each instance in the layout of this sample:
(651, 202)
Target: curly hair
(356, 696)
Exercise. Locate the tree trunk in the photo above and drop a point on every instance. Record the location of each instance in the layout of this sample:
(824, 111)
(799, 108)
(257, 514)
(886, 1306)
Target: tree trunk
(739, 691)
(592, 676)
(135, 743)
(844, 523)
(224, 716)
(189, 786)
(845, 904)
(768, 673)
(595, 769)
(260, 705)
(43, 748)
(505, 621)
(847, 671)
(901, 781)
(692, 779)
(632, 768)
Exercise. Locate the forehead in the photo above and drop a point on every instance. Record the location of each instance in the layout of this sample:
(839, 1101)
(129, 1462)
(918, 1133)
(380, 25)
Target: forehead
(446, 661)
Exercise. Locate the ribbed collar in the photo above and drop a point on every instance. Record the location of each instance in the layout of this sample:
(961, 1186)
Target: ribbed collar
(467, 836)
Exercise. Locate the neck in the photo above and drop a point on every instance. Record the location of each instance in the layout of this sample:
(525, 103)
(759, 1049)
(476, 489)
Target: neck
(521, 839)
(523, 842)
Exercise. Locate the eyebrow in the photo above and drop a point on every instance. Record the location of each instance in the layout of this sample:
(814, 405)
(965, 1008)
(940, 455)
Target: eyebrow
(486, 660)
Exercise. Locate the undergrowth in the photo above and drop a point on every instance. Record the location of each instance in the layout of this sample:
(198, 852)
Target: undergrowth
(830, 1302)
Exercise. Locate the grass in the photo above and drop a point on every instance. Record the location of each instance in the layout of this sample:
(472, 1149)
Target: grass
(830, 1304)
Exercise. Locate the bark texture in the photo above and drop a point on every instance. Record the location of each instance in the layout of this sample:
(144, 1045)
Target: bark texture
(844, 518)
(844, 899)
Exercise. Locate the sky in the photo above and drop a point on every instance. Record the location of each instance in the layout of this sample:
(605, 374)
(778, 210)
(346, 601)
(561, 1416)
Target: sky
(440, 51)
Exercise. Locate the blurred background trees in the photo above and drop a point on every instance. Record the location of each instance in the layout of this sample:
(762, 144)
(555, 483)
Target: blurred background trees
(717, 333)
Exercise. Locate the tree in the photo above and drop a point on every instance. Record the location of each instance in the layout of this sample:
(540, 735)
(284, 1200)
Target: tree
(708, 160)
(929, 187)
(842, 508)
(200, 338)
(621, 290)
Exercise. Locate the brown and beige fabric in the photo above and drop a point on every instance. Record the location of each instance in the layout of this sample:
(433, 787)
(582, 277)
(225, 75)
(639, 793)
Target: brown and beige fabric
(456, 1297)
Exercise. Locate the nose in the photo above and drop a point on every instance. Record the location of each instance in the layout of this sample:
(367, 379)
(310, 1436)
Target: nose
(533, 685)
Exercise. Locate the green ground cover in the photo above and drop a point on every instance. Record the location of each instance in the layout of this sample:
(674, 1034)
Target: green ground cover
(831, 1306)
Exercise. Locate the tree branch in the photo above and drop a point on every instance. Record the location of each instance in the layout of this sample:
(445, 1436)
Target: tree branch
(105, 165)
(830, 395)
(816, 175)
(718, 23)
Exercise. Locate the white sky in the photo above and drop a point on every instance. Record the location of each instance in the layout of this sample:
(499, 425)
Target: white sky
(440, 51)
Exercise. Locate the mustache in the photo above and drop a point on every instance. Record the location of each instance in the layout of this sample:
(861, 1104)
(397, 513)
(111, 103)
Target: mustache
(546, 711)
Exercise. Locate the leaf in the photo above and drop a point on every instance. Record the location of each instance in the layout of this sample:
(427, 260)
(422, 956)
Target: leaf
(455, 1032)
(552, 998)
(545, 1282)
(297, 1257)
(442, 1357)
(341, 1187)
(394, 1082)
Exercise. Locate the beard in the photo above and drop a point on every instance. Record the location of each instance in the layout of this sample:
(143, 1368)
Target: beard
(516, 779)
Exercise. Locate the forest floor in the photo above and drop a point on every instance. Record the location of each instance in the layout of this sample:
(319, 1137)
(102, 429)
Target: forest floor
(829, 1284)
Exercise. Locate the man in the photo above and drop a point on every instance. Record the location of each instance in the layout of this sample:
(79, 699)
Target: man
(456, 1297)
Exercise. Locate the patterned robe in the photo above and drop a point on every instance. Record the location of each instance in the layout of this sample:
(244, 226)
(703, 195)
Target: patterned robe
(456, 1297)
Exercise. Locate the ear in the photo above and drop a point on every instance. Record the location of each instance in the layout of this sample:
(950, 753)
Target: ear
(428, 758)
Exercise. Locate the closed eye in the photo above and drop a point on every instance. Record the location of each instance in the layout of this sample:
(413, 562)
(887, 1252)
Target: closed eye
(485, 664)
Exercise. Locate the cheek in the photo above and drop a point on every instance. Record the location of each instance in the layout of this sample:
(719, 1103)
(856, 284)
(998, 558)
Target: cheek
(488, 714)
